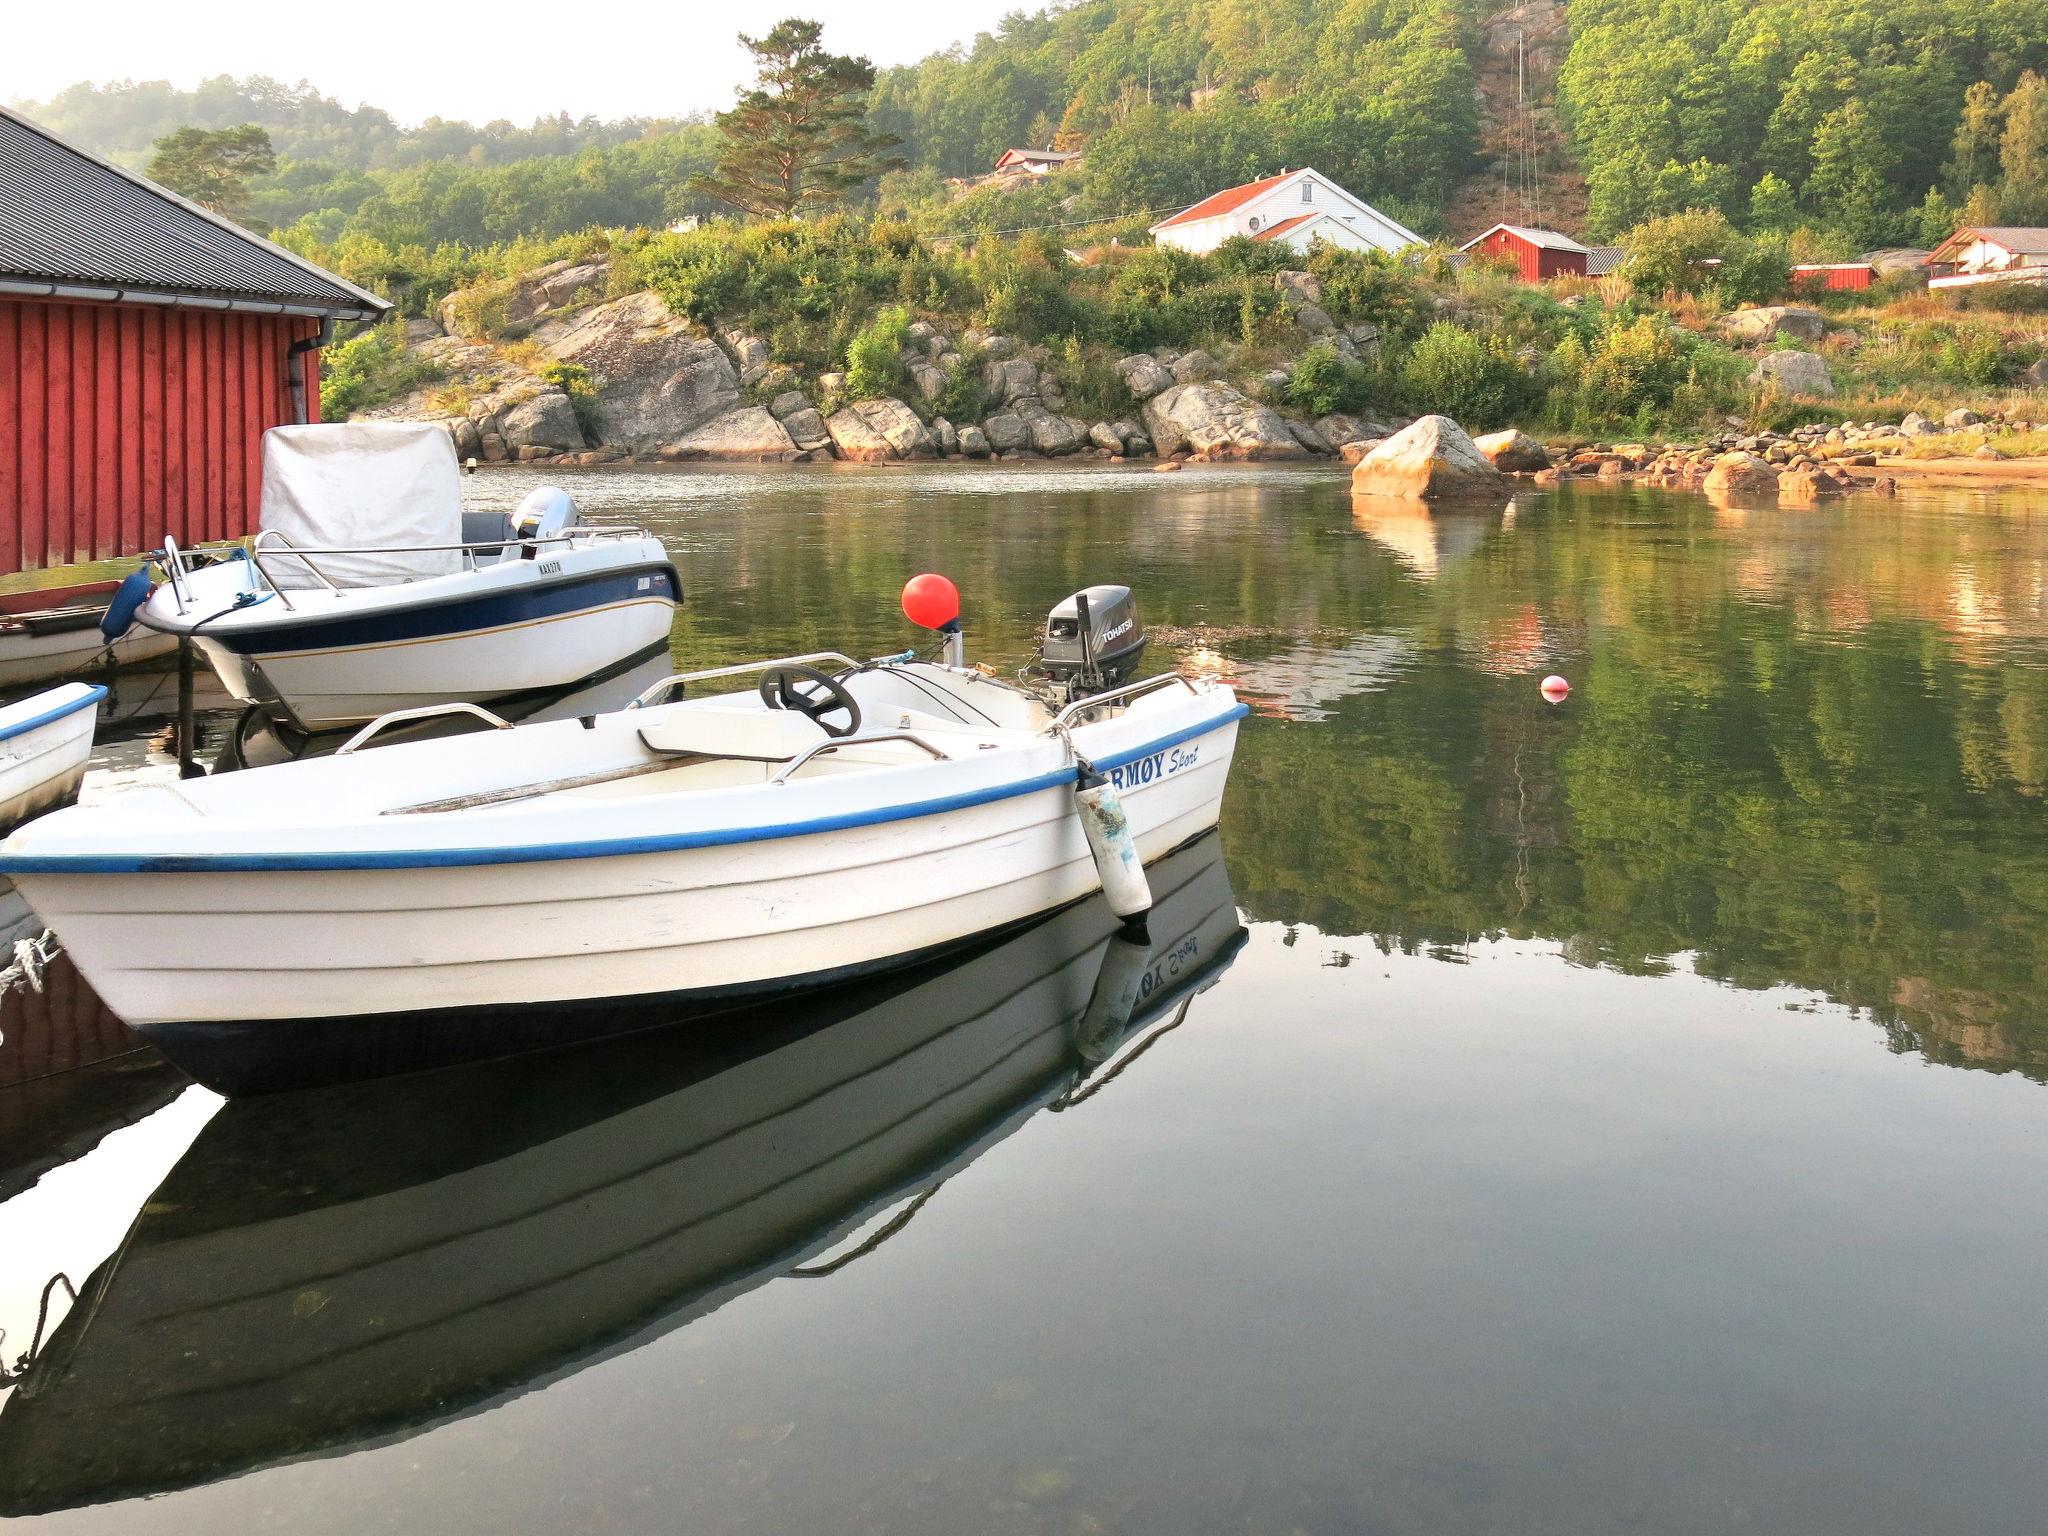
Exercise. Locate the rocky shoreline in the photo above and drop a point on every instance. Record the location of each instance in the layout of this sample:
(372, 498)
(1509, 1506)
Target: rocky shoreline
(577, 379)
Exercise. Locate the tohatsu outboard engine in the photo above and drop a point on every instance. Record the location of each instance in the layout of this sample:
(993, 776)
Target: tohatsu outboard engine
(1092, 641)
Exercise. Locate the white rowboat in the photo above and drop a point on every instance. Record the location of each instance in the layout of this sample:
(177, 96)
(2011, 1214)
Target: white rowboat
(44, 743)
(709, 849)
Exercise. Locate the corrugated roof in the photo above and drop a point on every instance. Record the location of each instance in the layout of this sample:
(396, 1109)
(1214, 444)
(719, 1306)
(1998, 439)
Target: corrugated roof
(1222, 202)
(1603, 259)
(1546, 239)
(67, 217)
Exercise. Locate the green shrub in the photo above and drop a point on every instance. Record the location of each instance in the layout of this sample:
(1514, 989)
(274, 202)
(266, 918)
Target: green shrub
(1971, 357)
(1754, 271)
(874, 359)
(1370, 286)
(478, 313)
(1473, 379)
(1323, 382)
(372, 368)
(1669, 255)
(1630, 370)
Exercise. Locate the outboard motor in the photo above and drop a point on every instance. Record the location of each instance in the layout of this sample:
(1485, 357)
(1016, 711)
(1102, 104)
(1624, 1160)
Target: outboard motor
(546, 511)
(1092, 640)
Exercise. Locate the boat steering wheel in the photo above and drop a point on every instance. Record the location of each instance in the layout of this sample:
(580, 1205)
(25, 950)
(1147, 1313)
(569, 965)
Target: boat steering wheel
(813, 694)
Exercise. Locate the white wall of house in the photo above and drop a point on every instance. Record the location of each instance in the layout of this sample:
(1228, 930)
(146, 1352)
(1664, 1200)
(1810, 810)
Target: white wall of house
(1989, 256)
(1351, 221)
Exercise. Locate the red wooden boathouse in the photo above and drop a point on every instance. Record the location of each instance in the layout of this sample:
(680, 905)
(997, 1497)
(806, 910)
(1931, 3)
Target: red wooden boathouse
(145, 346)
(1538, 254)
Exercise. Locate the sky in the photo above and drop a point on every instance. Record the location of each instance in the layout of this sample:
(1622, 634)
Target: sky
(516, 59)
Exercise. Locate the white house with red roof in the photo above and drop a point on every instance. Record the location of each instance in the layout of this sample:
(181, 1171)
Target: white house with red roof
(1297, 208)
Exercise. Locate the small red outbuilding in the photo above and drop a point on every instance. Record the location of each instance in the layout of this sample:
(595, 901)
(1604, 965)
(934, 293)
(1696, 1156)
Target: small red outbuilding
(1539, 254)
(146, 345)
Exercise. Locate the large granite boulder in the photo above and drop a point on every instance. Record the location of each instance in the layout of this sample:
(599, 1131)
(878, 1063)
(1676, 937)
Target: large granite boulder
(1433, 460)
(1217, 420)
(1010, 379)
(1774, 320)
(929, 379)
(657, 378)
(1144, 376)
(2036, 375)
(547, 421)
(1796, 373)
(1310, 437)
(747, 433)
(1741, 475)
(1193, 367)
(1106, 437)
(1051, 434)
(1513, 452)
(1298, 287)
(974, 442)
(869, 431)
(806, 429)
(1006, 432)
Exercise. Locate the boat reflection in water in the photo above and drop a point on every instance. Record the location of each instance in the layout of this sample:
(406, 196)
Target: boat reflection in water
(329, 1268)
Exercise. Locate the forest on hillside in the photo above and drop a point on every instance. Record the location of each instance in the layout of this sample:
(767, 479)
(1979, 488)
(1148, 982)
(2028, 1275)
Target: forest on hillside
(1838, 123)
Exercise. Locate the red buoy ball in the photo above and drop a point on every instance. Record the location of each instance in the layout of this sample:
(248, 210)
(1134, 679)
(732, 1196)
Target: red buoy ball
(1555, 688)
(930, 601)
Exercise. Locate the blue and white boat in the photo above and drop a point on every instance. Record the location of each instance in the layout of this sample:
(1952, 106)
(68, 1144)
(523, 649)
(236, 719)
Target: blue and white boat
(44, 743)
(838, 819)
(370, 590)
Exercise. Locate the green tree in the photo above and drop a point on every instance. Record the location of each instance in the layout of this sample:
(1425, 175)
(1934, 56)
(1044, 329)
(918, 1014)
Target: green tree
(1852, 163)
(1772, 207)
(1935, 219)
(212, 166)
(799, 141)
(1670, 254)
(1973, 150)
(2023, 151)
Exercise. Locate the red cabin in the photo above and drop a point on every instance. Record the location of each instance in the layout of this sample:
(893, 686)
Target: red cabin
(1833, 276)
(145, 347)
(1538, 254)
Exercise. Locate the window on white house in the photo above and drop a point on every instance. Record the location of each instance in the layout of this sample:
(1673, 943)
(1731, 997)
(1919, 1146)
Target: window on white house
(1308, 191)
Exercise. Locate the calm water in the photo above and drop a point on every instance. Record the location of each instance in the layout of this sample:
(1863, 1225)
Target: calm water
(1624, 1116)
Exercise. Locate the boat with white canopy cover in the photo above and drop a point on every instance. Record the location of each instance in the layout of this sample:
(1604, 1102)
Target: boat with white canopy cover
(369, 589)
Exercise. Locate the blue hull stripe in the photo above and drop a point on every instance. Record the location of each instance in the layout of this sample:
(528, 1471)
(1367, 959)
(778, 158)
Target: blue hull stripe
(453, 616)
(88, 700)
(540, 853)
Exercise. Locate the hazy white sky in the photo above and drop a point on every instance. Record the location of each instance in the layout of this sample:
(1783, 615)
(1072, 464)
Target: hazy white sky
(515, 59)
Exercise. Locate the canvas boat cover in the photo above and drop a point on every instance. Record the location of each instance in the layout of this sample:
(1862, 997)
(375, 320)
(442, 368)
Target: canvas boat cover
(362, 486)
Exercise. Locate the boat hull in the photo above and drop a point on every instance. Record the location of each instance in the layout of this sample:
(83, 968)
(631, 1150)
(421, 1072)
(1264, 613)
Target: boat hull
(339, 659)
(173, 949)
(48, 635)
(43, 750)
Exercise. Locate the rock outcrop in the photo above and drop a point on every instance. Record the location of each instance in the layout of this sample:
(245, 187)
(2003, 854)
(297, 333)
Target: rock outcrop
(1144, 376)
(552, 287)
(1791, 320)
(1432, 460)
(1796, 373)
(657, 378)
(869, 431)
(747, 433)
(1218, 421)
(546, 422)
(1513, 452)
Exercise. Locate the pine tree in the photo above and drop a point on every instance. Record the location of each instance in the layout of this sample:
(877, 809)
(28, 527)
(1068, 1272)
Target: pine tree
(209, 166)
(798, 142)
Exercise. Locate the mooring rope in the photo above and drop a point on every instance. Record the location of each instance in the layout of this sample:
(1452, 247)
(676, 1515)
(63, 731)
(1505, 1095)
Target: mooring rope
(31, 958)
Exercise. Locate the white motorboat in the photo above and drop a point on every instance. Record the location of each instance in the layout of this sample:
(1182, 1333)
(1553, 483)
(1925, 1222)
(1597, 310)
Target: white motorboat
(54, 632)
(44, 742)
(369, 590)
(821, 826)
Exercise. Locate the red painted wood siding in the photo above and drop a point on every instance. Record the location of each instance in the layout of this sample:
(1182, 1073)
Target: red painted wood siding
(120, 423)
(1536, 263)
(1851, 279)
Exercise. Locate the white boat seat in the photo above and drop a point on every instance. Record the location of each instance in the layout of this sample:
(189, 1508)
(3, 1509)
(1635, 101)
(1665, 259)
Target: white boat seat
(755, 735)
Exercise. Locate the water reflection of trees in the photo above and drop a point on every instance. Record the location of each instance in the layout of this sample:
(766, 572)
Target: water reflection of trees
(1791, 752)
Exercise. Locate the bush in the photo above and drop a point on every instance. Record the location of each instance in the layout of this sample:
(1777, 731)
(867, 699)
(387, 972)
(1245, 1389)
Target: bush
(874, 359)
(1669, 255)
(1630, 370)
(1369, 286)
(372, 368)
(478, 313)
(1323, 382)
(1754, 271)
(1971, 357)
(1472, 379)
(573, 380)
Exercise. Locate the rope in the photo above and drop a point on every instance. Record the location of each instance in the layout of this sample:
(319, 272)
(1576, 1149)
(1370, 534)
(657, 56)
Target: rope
(31, 958)
(894, 1225)
(35, 1343)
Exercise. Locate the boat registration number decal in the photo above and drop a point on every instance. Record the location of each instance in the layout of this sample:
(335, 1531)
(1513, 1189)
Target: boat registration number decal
(1160, 765)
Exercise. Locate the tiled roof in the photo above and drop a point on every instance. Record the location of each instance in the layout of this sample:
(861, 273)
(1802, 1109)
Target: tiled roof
(72, 220)
(1222, 202)
(1274, 231)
